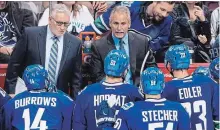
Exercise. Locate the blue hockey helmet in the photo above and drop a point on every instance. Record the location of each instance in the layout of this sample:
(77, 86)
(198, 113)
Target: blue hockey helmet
(116, 62)
(201, 70)
(214, 68)
(35, 77)
(152, 80)
(178, 57)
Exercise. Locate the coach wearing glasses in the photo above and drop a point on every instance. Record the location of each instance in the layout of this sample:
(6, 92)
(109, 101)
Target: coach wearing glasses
(54, 48)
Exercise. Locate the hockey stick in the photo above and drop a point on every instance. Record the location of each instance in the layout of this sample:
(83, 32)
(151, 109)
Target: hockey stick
(142, 68)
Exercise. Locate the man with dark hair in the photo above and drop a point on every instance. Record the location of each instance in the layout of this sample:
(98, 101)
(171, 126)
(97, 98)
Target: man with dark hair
(13, 20)
(149, 18)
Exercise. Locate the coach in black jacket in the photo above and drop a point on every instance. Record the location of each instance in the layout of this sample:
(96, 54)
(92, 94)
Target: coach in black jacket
(137, 46)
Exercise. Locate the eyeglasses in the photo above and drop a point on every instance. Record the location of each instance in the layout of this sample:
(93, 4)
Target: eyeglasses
(61, 23)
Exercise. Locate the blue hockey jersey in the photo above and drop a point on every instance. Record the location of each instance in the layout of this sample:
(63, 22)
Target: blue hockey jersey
(87, 103)
(158, 34)
(200, 97)
(4, 97)
(38, 110)
(152, 114)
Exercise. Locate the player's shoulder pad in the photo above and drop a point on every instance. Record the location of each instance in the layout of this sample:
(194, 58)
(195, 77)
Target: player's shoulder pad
(83, 90)
(170, 83)
(203, 78)
(135, 89)
(89, 89)
(175, 105)
(61, 93)
(130, 86)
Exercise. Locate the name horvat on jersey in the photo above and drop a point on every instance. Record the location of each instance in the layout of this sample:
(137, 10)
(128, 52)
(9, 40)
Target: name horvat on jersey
(46, 101)
(160, 115)
(119, 99)
(192, 92)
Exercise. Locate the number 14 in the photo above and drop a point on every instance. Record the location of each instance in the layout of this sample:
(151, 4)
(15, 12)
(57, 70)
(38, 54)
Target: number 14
(37, 120)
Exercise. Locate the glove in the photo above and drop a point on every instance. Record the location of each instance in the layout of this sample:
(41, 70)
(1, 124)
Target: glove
(105, 115)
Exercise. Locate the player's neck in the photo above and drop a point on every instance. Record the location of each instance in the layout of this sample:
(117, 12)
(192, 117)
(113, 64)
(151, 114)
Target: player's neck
(113, 79)
(158, 96)
(180, 73)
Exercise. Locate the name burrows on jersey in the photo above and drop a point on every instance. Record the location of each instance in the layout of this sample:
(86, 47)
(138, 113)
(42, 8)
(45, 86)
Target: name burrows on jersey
(199, 95)
(152, 114)
(89, 101)
(40, 101)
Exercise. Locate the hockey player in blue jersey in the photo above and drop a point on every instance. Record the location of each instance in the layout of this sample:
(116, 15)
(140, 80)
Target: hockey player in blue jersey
(155, 113)
(214, 69)
(36, 108)
(150, 19)
(198, 93)
(111, 89)
(4, 97)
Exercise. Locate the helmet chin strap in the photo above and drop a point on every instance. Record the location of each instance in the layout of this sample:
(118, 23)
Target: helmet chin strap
(171, 72)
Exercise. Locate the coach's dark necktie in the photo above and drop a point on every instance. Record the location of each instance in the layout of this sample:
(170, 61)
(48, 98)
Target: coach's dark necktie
(52, 66)
(121, 44)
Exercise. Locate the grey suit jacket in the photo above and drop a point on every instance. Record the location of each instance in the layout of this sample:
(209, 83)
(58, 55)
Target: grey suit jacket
(31, 49)
(138, 47)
